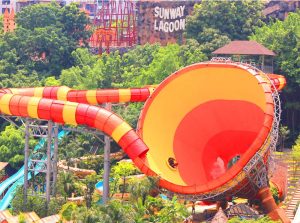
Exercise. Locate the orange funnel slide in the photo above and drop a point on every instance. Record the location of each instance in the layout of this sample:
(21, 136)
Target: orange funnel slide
(206, 131)
(208, 119)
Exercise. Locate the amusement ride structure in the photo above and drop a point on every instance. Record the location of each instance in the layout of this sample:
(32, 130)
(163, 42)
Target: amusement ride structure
(207, 131)
(114, 25)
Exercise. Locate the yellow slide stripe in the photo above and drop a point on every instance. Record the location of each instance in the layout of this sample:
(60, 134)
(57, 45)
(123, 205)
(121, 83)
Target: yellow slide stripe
(62, 93)
(14, 90)
(124, 95)
(151, 90)
(38, 91)
(69, 112)
(91, 97)
(120, 131)
(32, 108)
(4, 103)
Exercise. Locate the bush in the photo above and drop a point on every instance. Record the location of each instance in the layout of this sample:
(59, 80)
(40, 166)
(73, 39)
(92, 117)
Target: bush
(36, 204)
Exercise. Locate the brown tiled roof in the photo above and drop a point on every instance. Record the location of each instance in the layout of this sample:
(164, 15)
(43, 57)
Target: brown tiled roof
(242, 47)
(220, 217)
(3, 165)
(241, 210)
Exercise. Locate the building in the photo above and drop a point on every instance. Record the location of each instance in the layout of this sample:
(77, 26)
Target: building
(9, 24)
(280, 9)
(248, 52)
(7, 4)
(162, 21)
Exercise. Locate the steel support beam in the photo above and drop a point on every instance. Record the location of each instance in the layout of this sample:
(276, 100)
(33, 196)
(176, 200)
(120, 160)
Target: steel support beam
(55, 159)
(48, 173)
(105, 195)
(26, 159)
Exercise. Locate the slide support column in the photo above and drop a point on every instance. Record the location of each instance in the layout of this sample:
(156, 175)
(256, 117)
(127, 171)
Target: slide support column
(105, 196)
(26, 159)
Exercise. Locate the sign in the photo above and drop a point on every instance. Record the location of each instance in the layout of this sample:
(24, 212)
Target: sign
(169, 20)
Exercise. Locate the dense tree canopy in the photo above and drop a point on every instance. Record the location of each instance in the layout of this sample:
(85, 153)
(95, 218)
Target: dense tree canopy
(283, 37)
(234, 19)
(43, 45)
(12, 146)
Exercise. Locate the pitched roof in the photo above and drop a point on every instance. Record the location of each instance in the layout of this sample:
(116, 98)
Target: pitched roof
(3, 165)
(241, 210)
(243, 47)
(220, 217)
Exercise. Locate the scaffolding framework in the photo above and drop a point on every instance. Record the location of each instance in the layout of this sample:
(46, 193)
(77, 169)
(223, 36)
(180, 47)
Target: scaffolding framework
(114, 25)
(43, 161)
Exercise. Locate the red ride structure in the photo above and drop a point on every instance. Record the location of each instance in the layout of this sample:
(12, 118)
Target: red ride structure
(114, 25)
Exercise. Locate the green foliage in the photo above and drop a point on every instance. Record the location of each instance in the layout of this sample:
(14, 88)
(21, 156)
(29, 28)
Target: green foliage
(52, 81)
(36, 204)
(43, 41)
(12, 145)
(212, 39)
(144, 65)
(296, 150)
(260, 220)
(21, 218)
(275, 194)
(87, 72)
(118, 212)
(89, 183)
(92, 163)
(234, 19)
(120, 171)
(283, 37)
(140, 188)
(173, 211)
(67, 211)
(284, 135)
(66, 184)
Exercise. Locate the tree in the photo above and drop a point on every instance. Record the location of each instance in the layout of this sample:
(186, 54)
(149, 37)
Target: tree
(118, 212)
(172, 211)
(69, 19)
(44, 39)
(67, 211)
(212, 39)
(191, 52)
(12, 141)
(90, 182)
(122, 170)
(140, 188)
(283, 134)
(296, 154)
(234, 19)
(66, 182)
(87, 72)
(34, 203)
(283, 37)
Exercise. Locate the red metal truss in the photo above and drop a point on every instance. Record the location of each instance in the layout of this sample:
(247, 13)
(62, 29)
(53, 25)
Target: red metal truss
(114, 25)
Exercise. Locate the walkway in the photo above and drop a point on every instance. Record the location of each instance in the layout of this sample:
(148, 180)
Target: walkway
(293, 191)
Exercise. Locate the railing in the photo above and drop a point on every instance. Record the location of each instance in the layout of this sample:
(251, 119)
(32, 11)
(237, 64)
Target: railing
(267, 69)
(297, 216)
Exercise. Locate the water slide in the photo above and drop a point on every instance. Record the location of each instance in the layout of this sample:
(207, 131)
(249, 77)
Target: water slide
(17, 179)
(206, 130)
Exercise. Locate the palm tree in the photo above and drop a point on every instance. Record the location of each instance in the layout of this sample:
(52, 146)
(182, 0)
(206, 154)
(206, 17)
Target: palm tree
(142, 187)
(118, 212)
(66, 179)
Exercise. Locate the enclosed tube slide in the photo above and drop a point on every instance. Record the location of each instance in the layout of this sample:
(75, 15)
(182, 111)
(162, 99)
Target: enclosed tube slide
(198, 131)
